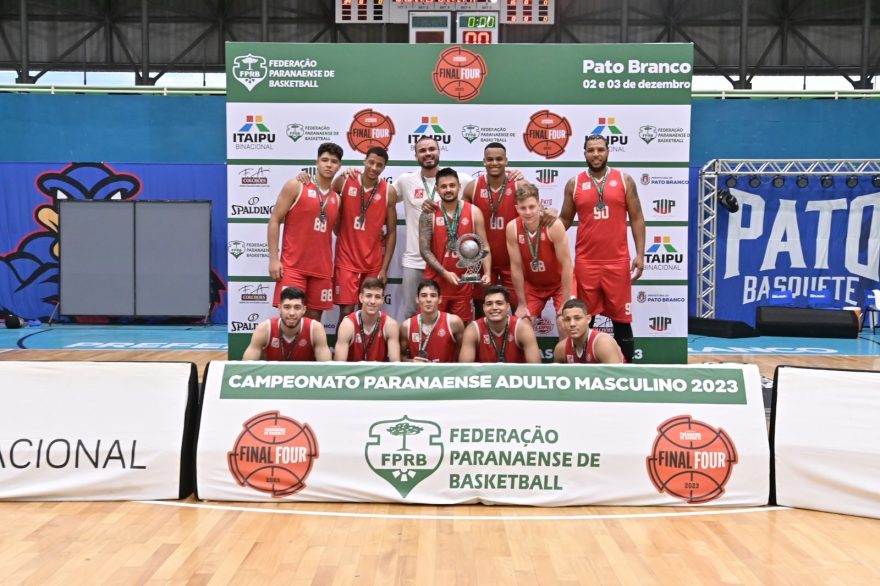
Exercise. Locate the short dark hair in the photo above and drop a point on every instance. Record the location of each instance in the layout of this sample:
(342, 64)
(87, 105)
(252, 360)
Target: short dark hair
(372, 283)
(447, 172)
(494, 289)
(292, 294)
(378, 151)
(495, 145)
(430, 283)
(590, 137)
(575, 304)
(525, 190)
(330, 147)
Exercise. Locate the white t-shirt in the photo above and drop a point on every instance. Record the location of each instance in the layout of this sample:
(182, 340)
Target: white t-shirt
(410, 189)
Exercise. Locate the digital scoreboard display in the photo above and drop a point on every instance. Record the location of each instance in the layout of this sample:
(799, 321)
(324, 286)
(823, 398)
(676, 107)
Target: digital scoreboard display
(477, 28)
(397, 11)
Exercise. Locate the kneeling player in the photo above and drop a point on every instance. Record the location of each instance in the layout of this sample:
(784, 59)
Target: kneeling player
(431, 335)
(540, 262)
(370, 333)
(289, 337)
(583, 344)
(499, 337)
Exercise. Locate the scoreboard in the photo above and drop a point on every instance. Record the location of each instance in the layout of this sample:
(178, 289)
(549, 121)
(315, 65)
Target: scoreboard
(516, 12)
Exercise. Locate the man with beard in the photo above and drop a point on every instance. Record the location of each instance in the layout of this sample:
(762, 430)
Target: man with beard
(368, 334)
(584, 345)
(603, 198)
(499, 337)
(431, 335)
(290, 336)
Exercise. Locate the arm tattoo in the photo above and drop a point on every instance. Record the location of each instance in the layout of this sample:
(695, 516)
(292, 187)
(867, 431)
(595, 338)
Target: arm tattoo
(426, 236)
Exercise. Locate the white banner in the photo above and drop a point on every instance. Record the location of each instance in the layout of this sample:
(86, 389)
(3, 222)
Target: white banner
(514, 434)
(827, 440)
(92, 430)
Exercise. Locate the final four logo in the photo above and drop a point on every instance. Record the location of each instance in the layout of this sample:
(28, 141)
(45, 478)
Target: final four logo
(459, 74)
(404, 451)
(249, 70)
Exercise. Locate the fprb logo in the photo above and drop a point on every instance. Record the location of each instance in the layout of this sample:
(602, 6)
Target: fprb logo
(404, 451)
(250, 70)
(236, 248)
(663, 206)
(547, 134)
(273, 454)
(430, 127)
(660, 323)
(470, 132)
(647, 133)
(691, 460)
(459, 74)
(295, 131)
(607, 126)
(369, 129)
(546, 176)
(662, 251)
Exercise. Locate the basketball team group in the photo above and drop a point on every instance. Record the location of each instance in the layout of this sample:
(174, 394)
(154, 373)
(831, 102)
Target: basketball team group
(482, 258)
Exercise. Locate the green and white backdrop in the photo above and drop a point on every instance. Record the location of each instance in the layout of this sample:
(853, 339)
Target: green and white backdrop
(283, 100)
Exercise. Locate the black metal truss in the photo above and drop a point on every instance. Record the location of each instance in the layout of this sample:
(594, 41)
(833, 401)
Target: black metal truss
(737, 39)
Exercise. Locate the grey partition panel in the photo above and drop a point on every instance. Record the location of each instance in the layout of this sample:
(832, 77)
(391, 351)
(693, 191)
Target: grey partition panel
(173, 258)
(97, 247)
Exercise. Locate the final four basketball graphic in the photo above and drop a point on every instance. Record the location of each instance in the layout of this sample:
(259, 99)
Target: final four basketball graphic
(691, 460)
(547, 134)
(369, 129)
(273, 454)
(459, 74)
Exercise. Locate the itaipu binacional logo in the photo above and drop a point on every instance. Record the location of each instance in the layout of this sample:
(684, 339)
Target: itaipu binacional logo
(691, 460)
(459, 74)
(250, 70)
(273, 454)
(404, 451)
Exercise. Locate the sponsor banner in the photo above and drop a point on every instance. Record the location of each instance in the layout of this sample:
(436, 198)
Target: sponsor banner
(529, 132)
(505, 434)
(94, 430)
(827, 441)
(799, 240)
(442, 74)
(251, 304)
(248, 251)
(253, 189)
(659, 310)
(663, 193)
(665, 253)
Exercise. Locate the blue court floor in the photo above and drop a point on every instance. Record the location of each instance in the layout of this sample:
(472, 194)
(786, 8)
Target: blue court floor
(213, 338)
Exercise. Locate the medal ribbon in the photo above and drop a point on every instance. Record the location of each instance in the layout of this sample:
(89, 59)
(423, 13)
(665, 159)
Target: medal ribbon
(600, 187)
(322, 202)
(288, 349)
(500, 353)
(493, 205)
(368, 343)
(533, 245)
(451, 230)
(365, 207)
(424, 339)
(432, 191)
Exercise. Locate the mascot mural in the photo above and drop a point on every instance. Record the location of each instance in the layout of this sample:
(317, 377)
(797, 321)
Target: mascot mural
(29, 273)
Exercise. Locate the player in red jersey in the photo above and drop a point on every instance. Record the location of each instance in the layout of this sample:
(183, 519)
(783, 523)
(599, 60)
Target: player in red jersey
(539, 258)
(309, 213)
(499, 337)
(494, 194)
(289, 337)
(370, 333)
(583, 344)
(603, 197)
(438, 232)
(367, 231)
(431, 335)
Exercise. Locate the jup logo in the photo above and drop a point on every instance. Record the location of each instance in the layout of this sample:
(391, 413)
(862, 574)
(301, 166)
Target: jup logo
(404, 451)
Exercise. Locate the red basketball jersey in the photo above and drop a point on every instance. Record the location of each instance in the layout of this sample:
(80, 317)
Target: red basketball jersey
(378, 350)
(601, 233)
(486, 351)
(441, 344)
(589, 355)
(298, 350)
(307, 245)
(359, 242)
(545, 272)
(446, 257)
(505, 211)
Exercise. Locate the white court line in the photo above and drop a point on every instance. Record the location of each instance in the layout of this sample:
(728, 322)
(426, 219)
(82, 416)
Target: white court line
(465, 517)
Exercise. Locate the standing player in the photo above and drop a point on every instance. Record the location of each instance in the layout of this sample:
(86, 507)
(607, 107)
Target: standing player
(602, 198)
(431, 335)
(539, 258)
(370, 333)
(494, 194)
(499, 337)
(438, 232)
(414, 189)
(308, 212)
(366, 209)
(289, 337)
(583, 344)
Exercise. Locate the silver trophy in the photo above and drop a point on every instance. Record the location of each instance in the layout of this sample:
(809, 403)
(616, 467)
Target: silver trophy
(471, 251)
